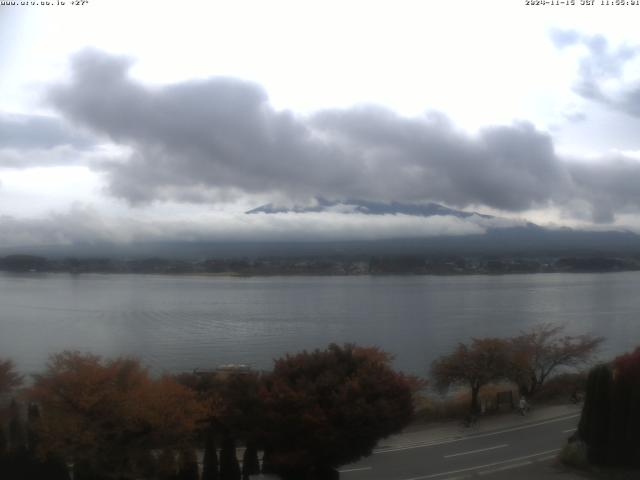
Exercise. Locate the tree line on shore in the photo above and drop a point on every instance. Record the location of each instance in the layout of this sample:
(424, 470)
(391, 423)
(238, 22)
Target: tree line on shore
(388, 264)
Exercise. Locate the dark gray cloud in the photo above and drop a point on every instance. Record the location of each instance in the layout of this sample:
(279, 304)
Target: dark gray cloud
(602, 63)
(510, 168)
(37, 131)
(609, 188)
(198, 141)
(36, 140)
(218, 133)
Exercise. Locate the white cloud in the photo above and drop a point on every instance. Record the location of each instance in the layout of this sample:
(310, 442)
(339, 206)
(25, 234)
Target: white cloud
(84, 224)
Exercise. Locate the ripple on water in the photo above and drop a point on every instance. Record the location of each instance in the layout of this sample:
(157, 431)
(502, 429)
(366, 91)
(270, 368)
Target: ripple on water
(176, 323)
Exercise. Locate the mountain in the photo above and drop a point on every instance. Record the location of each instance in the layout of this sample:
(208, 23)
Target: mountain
(500, 238)
(370, 208)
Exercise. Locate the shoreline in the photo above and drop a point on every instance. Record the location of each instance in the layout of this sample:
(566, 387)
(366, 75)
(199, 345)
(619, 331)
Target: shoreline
(312, 274)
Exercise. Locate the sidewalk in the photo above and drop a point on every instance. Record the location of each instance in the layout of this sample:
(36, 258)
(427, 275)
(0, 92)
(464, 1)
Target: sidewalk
(422, 434)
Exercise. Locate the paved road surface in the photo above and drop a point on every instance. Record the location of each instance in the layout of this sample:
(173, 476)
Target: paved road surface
(529, 447)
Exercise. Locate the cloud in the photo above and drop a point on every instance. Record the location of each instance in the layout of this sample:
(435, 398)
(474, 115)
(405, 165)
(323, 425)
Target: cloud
(509, 168)
(564, 38)
(62, 155)
(573, 116)
(608, 188)
(219, 138)
(601, 70)
(38, 131)
(85, 225)
(36, 140)
(221, 135)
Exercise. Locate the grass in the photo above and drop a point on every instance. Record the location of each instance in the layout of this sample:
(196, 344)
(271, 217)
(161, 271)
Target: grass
(433, 407)
(574, 455)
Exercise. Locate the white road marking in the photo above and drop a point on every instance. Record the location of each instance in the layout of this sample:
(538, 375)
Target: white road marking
(545, 459)
(360, 469)
(506, 467)
(411, 446)
(569, 430)
(479, 467)
(475, 451)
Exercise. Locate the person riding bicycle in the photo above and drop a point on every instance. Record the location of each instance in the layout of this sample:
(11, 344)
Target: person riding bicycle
(523, 406)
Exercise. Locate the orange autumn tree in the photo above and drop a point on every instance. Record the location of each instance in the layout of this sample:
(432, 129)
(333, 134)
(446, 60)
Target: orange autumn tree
(330, 407)
(483, 361)
(538, 353)
(9, 378)
(106, 415)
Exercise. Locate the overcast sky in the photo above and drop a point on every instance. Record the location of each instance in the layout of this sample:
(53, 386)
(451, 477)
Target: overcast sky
(124, 120)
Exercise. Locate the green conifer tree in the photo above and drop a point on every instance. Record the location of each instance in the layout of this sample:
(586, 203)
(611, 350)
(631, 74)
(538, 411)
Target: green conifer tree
(167, 467)
(33, 419)
(624, 439)
(267, 463)
(229, 467)
(17, 434)
(4, 445)
(250, 462)
(188, 464)
(594, 424)
(210, 459)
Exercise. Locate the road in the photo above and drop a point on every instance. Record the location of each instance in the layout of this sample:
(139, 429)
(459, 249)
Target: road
(487, 454)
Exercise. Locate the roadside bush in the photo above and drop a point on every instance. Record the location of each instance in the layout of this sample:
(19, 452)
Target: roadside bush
(433, 408)
(610, 420)
(575, 455)
(430, 408)
(559, 389)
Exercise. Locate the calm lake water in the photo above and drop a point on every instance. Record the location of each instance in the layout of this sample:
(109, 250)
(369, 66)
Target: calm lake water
(180, 323)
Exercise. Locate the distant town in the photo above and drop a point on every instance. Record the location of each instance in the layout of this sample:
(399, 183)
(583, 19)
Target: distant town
(313, 265)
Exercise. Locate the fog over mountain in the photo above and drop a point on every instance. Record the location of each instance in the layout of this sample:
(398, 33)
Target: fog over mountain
(369, 208)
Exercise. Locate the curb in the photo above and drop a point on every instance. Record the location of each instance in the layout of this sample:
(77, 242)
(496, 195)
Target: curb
(471, 434)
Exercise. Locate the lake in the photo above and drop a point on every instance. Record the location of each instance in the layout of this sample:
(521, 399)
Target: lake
(176, 323)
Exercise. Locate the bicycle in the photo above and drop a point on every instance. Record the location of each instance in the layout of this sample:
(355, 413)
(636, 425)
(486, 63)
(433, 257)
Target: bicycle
(470, 420)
